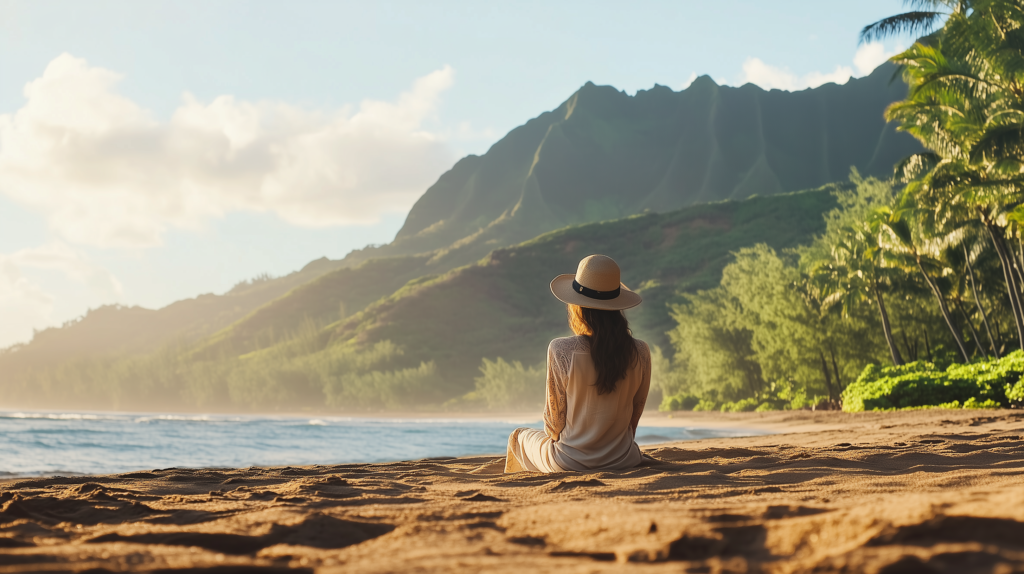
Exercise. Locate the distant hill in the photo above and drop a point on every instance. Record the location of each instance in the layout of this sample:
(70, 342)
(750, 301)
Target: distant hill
(116, 329)
(601, 155)
(501, 306)
(420, 343)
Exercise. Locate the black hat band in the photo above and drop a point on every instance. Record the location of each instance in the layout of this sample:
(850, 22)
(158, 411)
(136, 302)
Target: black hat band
(593, 294)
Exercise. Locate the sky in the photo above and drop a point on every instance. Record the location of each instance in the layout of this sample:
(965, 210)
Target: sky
(155, 151)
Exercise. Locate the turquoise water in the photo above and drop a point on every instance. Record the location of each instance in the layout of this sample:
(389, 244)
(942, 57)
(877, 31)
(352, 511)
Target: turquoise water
(48, 443)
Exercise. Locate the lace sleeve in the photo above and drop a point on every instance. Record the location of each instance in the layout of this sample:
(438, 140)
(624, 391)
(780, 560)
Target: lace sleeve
(640, 398)
(555, 405)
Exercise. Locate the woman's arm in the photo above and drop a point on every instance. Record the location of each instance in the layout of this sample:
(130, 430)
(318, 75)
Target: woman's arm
(640, 398)
(554, 405)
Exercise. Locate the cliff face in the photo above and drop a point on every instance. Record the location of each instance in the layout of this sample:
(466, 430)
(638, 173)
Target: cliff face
(604, 154)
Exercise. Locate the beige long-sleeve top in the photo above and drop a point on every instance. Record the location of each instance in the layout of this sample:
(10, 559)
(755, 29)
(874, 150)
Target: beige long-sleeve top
(589, 430)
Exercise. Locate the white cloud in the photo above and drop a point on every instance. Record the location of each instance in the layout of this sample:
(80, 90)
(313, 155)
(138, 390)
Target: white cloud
(686, 84)
(26, 306)
(772, 78)
(105, 173)
(868, 57)
(871, 55)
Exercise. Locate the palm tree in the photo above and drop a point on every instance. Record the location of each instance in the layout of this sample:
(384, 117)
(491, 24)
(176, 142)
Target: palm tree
(902, 247)
(921, 20)
(966, 104)
(969, 256)
(954, 256)
(852, 275)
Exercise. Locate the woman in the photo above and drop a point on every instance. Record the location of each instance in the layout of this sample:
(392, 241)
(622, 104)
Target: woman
(597, 381)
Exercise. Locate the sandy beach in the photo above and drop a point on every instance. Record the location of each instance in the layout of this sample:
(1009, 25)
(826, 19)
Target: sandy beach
(921, 491)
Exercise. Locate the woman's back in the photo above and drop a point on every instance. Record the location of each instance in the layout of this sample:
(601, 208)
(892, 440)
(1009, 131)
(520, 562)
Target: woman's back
(589, 429)
(597, 381)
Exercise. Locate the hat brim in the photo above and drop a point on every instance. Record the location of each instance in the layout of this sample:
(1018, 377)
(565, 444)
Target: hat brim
(561, 288)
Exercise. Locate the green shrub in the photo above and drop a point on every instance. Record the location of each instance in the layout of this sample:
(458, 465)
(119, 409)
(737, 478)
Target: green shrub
(680, 402)
(742, 406)
(984, 384)
(1016, 392)
(772, 403)
(973, 403)
(504, 385)
(401, 388)
(706, 405)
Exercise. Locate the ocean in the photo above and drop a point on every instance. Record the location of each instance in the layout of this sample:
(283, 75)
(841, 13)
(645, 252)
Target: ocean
(66, 443)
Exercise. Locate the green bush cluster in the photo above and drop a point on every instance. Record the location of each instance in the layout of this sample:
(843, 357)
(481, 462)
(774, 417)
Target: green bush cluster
(742, 406)
(685, 402)
(504, 385)
(294, 376)
(680, 402)
(983, 384)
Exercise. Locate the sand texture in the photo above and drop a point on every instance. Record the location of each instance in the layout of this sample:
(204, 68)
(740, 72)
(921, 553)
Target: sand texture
(924, 491)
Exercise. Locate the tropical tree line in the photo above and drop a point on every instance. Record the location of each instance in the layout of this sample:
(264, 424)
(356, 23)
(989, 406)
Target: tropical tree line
(929, 266)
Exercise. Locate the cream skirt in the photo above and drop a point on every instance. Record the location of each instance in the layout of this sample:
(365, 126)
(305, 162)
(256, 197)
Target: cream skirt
(530, 449)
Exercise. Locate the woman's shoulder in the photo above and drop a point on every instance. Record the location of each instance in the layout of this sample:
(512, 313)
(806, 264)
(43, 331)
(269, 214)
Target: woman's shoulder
(644, 349)
(568, 343)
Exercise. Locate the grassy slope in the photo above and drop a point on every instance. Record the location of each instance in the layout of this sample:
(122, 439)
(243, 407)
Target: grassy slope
(323, 300)
(116, 330)
(501, 306)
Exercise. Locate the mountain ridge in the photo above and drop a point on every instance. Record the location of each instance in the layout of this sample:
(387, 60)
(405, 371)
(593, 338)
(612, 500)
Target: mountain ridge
(600, 155)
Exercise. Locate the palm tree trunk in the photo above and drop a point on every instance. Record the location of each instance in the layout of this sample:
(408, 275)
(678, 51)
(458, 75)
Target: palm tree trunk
(835, 369)
(1016, 258)
(894, 351)
(977, 301)
(945, 312)
(970, 326)
(828, 377)
(928, 346)
(1013, 290)
(1018, 263)
(911, 349)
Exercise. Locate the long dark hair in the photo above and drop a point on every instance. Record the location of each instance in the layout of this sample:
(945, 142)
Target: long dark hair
(612, 347)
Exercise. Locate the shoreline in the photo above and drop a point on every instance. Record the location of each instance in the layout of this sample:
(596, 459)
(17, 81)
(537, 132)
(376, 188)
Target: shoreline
(750, 426)
(935, 490)
(333, 446)
(651, 418)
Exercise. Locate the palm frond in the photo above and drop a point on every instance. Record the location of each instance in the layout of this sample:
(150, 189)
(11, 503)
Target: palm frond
(914, 166)
(999, 143)
(918, 23)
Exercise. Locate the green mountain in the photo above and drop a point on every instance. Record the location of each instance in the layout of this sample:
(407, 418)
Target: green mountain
(501, 306)
(604, 154)
(599, 156)
(422, 344)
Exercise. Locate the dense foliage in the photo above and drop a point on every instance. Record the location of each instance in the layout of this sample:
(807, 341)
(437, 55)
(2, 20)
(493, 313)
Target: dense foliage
(509, 386)
(795, 329)
(930, 273)
(985, 384)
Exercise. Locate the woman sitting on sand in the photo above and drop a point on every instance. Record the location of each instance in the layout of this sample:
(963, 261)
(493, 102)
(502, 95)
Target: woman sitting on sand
(597, 381)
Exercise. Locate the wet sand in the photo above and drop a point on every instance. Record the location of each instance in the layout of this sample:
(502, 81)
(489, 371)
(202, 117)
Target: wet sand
(922, 491)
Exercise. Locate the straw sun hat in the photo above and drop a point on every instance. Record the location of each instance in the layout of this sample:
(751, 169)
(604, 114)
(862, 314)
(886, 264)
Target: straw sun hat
(596, 285)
